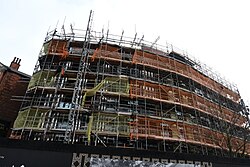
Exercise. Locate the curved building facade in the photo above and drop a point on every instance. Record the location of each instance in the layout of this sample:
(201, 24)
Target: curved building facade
(113, 91)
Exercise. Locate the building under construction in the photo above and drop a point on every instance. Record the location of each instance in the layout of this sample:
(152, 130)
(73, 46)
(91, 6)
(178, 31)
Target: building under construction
(100, 89)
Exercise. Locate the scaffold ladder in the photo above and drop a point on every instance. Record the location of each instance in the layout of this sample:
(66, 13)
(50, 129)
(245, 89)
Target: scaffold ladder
(80, 78)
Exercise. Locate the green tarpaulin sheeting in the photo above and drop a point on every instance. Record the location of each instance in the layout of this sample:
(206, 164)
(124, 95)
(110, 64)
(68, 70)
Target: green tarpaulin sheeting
(29, 118)
(109, 84)
(42, 78)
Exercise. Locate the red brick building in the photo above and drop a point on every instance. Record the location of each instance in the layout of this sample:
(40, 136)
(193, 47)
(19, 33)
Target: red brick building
(13, 85)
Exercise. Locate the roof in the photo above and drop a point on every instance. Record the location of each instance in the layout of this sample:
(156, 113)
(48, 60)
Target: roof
(2, 66)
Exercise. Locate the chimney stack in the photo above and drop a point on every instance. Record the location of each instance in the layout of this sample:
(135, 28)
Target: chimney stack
(15, 64)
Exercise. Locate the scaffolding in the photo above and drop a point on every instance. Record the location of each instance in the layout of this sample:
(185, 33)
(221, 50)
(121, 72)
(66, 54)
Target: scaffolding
(115, 91)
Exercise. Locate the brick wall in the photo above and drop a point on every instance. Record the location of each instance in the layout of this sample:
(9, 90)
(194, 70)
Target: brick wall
(10, 85)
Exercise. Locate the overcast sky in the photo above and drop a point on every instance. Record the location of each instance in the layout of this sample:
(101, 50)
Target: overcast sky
(215, 31)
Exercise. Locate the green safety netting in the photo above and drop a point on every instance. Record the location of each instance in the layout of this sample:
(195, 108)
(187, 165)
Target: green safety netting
(19, 122)
(46, 47)
(109, 84)
(29, 118)
(42, 78)
(108, 123)
(89, 127)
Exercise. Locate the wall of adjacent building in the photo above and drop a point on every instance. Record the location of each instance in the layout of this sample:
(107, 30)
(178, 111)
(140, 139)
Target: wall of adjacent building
(12, 83)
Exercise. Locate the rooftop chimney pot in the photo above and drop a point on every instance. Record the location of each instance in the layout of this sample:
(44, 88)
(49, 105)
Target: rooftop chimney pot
(15, 64)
